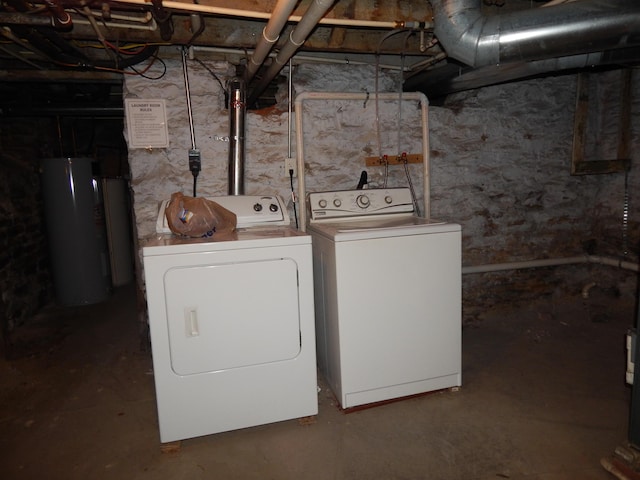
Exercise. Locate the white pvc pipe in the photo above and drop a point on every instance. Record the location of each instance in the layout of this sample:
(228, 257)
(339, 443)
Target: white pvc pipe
(410, 96)
(148, 17)
(297, 37)
(551, 262)
(132, 26)
(232, 12)
(270, 35)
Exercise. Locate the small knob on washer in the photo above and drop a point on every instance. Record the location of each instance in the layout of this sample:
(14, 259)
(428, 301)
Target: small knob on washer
(363, 201)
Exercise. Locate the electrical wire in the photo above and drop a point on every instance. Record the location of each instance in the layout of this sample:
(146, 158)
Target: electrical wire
(293, 198)
(155, 58)
(211, 72)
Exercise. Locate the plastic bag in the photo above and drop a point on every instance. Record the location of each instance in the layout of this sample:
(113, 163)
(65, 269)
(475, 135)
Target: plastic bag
(198, 217)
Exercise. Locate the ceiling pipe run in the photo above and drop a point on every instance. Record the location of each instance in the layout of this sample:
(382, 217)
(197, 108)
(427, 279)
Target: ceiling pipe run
(24, 19)
(554, 31)
(257, 15)
(309, 21)
(270, 35)
(61, 18)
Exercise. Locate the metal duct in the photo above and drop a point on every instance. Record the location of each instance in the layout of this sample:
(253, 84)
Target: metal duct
(542, 33)
(237, 111)
(23, 19)
(296, 39)
(452, 78)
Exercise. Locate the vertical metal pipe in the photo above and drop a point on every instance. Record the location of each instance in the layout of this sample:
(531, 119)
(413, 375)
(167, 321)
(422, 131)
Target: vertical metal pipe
(237, 111)
(185, 74)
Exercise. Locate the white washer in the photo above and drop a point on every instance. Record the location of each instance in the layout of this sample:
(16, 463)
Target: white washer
(388, 296)
(232, 326)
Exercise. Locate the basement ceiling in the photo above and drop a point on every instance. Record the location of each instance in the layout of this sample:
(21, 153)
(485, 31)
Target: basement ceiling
(56, 47)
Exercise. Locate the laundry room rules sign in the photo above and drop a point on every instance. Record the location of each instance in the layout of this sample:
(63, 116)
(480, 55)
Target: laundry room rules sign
(146, 123)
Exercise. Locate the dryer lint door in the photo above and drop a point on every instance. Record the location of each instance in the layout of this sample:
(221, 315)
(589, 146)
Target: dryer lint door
(233, 315)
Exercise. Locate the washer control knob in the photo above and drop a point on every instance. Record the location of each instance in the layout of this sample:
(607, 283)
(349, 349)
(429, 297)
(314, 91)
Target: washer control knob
(273, 207)
(257, 207)
(337, 203)
(388, 199)
(322, 203)
(363, 201)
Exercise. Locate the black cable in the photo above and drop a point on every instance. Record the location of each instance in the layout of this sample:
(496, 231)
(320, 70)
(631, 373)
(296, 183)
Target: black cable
(211, 72)
(293, 197)
(195, 179)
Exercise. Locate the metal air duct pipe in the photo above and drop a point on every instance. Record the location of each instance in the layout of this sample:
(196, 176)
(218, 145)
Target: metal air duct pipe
(296, 39)
(270, 36)
(237, 111)
(555, 31)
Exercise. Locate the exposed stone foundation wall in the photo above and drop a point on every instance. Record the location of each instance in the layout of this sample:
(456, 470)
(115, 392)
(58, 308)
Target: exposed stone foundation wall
(24, 270)
(500, 166)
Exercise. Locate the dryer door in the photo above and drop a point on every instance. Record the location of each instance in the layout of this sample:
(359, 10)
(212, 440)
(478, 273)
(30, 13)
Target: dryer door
(232, 315)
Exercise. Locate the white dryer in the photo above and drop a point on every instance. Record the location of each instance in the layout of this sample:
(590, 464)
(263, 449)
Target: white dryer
(388, 296)
(232, 324)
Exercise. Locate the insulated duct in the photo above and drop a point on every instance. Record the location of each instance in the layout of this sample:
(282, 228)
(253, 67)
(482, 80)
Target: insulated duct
(237, 111)
(555, 31)
(501, 48)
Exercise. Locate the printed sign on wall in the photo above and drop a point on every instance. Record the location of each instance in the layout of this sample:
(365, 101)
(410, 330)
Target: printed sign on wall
(146, 123)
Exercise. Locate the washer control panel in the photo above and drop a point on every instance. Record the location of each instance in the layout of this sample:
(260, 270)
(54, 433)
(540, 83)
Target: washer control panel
(359, 203)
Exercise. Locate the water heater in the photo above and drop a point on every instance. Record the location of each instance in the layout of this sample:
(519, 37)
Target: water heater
(76, 231)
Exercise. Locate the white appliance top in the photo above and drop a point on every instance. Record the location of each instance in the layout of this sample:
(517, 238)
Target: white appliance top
(364, 229)
(251, 211)
(250, 238)
(365, 214)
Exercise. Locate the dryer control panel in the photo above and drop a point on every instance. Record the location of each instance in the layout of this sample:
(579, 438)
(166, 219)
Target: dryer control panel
(250, 210)
(359, 203)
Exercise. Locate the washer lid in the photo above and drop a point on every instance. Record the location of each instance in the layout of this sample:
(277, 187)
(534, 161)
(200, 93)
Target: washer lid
(370, 228)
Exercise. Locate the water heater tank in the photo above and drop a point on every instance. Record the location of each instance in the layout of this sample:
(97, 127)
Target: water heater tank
(76, 231)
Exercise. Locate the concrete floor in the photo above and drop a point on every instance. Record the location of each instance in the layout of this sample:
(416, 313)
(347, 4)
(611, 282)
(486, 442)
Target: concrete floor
(543, 398)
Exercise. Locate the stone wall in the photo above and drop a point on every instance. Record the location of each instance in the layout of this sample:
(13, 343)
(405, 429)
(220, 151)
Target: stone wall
(500, 166)
(25, 281)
